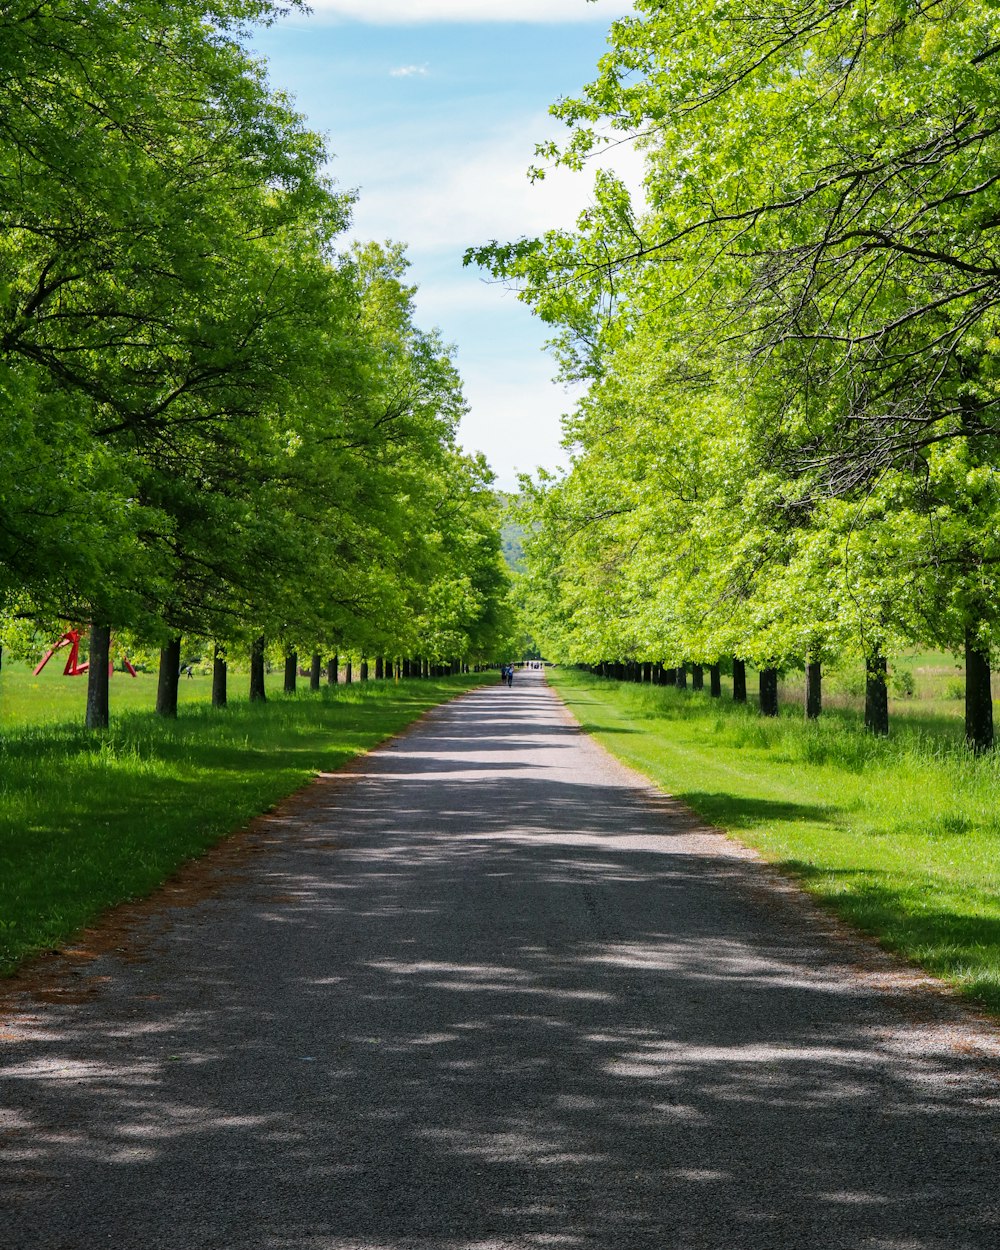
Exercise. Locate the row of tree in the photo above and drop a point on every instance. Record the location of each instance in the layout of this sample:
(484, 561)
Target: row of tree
(788, 448)
(214, 423)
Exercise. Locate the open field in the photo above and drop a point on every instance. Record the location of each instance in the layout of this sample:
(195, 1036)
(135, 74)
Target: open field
(90, 820)
(50, 697)
(901, 836)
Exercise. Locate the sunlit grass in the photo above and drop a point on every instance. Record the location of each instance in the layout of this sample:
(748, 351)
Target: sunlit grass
(901, 836)
(89, 820)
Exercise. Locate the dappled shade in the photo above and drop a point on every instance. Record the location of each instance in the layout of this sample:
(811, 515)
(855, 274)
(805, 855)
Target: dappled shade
(493, 992)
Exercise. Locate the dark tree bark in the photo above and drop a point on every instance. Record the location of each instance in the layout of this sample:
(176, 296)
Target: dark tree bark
(978, 695)
(768, 691)
(379, 668)
(682, 677)
(814, 689)
(363, 671)
(315, 671)
(715, 681)
(406, 668)
(333, 669)
(168, 678)
(348, 672)
(647, 671)
(657, 678)
(670, 676)
(257, 692)
(697, 677)
(425, 668)
(739, 681)
(98, 710)
(291, 671)
(219, 677)
(876, 695)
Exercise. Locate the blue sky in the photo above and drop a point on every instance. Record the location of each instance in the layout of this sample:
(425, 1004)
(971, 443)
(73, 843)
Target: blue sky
(432, 109)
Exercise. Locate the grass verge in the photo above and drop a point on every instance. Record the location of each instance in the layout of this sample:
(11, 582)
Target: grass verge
(900, 836)
(90, 820)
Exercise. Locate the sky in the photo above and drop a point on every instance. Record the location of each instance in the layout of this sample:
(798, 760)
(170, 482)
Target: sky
(432, 109)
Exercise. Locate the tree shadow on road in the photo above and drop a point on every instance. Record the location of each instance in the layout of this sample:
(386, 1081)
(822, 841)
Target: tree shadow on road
(459, 1012)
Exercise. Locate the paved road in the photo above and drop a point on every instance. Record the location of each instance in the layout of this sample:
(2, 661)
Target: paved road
(492, 992)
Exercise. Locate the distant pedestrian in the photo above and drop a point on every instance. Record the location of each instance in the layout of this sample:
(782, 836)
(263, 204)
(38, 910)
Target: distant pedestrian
(510, 675)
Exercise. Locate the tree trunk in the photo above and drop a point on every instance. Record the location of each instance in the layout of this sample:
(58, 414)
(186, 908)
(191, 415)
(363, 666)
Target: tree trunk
(348, 672)
(257, 692)
(425, 668)
(697, 677)
(814, 689)
(379, 668)
(768, 678)
(670, 676)
(169, 676)
(739, 681)
(291, 671)
(406, 668)
(333, 669)
(978, 695)
(876, 695)
(715, 681)
(98, 711)
(682, 677)
(315, 671)
(219, 677)
(363, 671)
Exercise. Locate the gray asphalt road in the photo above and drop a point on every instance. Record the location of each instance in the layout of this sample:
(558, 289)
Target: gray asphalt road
(493, 992)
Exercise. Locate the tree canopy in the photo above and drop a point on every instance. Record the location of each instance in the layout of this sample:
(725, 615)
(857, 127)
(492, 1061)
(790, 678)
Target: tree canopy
(217, 421)
(789, 444)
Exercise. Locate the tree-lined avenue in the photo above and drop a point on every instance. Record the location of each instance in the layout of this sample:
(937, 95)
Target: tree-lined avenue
(490, 990)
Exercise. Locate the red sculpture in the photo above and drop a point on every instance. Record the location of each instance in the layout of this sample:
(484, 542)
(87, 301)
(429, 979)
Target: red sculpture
(74, 668)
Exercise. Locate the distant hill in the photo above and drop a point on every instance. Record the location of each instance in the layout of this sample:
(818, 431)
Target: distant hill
(511, 539)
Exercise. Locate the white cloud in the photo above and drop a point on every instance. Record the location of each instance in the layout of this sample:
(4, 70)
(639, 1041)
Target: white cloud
(440, 301)
(395, 12)
(441, 196)
(515, 421)
(409, 71)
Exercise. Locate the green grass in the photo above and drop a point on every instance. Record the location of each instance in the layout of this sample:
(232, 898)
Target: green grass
(90, 820)
(900, 836)
(50, 697)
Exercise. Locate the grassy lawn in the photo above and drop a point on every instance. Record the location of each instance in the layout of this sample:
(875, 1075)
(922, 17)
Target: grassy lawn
(900, 836)
(89, 820)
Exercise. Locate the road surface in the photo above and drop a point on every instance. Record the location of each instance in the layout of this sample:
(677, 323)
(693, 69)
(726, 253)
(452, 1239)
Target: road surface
(491, 991)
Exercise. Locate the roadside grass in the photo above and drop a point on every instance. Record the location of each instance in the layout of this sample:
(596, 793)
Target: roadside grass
(900, 836)
(90, 820)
